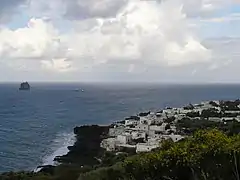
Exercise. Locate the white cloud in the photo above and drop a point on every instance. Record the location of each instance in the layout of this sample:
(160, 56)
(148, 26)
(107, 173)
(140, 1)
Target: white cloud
(145, 32)
(37, 40)
(77, 9)
(193, 72)
(81, 9)
(213, 67)
(134, 37)
(59, 65)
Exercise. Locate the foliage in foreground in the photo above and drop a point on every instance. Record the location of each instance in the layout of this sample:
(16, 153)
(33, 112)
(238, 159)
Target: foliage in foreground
(208, 155)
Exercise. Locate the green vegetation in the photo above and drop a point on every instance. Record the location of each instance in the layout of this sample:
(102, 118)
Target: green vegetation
(208, 155)
(85, 155)
(230, 105)
(188, 126)
(211, 152)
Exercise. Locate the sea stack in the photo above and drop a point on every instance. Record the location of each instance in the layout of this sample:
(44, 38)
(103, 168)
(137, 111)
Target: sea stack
(24, 86)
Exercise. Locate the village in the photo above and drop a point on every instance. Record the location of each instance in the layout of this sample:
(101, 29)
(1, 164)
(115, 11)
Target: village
(145, 131)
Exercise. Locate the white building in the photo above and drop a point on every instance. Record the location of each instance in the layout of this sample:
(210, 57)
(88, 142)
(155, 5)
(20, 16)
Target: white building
(238, 118)
(227, 118)
(144, 120)
(131, 122)
(113, 132)
(109, 144)
(231, 112)
(174, 137)
(159, 114)
(150, 119)
(138, 134)
(170, 112)
(205, 105)
(124, 138)
(160, 119)
(158, 128)
(126, 146)
(145, 147)
(218, 109)
(179, 117)
(184, 111)
(142, 127)
(215, 119)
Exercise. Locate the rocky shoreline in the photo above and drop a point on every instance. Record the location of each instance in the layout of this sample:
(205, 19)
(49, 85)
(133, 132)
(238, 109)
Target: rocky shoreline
(88, 152)
(92, 157)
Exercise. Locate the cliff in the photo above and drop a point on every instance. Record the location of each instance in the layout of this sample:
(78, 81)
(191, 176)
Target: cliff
(86, 149)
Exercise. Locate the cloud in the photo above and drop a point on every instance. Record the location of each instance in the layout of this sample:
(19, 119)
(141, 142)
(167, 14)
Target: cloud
(77, 9)
(162, 37)
(225, 53)
(59, 65)
(227, 18)
(107, 39)
(9, 7)
(81, 9)
(38, 40)
(142, 32)
(213, 67)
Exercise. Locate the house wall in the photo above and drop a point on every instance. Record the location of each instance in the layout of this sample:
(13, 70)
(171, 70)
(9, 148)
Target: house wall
(176, 138)
(116, 131)
(144, 147)
(215, 119)
(109, 144)
(130, 122)
(124, 139)
(142, 127)
(158, 128)
(137, 134)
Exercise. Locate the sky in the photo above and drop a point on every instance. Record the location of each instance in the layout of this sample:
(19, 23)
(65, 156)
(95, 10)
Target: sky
(170, 41)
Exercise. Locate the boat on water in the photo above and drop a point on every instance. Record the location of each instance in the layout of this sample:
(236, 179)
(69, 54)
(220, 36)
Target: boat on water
(77, 90)
(25, 86)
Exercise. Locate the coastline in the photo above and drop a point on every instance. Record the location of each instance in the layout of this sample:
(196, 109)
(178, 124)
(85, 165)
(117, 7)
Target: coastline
(87, 150)
(59, 148)
(90, 157)
(84, 151)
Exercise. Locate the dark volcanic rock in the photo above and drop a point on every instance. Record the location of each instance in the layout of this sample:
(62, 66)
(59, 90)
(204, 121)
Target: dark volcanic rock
(86, 149)
(24, 86)
(48, 169)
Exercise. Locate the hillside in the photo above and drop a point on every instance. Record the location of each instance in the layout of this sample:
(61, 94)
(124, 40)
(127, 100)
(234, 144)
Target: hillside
(207, 155)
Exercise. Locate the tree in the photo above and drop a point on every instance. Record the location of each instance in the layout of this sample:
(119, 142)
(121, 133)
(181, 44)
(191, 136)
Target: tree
(208, 155)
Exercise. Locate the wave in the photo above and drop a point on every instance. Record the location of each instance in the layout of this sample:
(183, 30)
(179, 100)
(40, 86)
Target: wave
(59, 148)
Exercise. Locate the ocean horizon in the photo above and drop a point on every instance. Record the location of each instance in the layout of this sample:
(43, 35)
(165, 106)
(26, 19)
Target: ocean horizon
(37, 125)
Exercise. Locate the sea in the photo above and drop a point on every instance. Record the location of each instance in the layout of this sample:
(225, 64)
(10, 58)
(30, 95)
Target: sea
(37, 125)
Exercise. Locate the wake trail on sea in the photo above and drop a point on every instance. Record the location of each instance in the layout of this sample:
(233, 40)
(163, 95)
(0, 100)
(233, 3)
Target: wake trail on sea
(59, 147)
